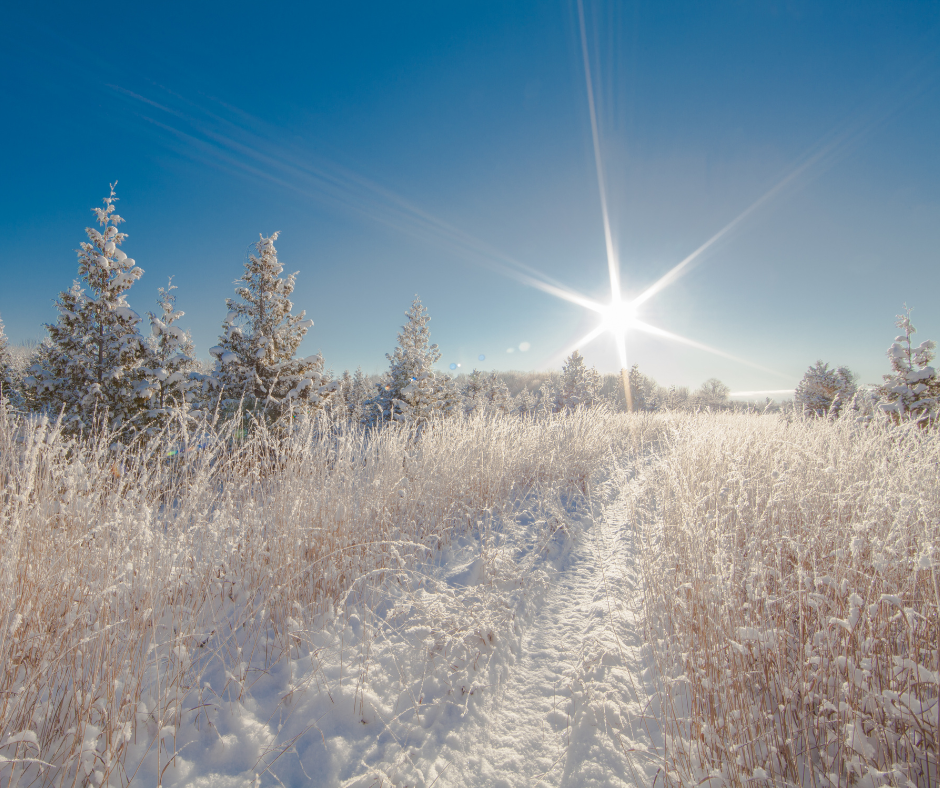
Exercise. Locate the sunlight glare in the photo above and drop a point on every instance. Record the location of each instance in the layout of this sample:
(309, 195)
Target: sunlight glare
(618, 318)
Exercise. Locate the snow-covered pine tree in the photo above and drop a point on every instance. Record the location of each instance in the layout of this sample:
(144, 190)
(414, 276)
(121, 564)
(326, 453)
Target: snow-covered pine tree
(497, 395)
(91, 361)
(6, 373)
(642, 390)
(340, 404)
(472, 393)
(525, 403)
(485, 392)
(546, 397)
(363, 389)
(255, 364)
(170, 360)
(913, 390)
(580, 384)
(413, 392)
(351, 395)
(824, 391)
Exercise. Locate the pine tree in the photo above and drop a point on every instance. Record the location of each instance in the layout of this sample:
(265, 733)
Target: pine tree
(546, 397)
(580, 384)
(413, 392)
(363, 389)
(255, 364)
(485, 392)
(525, 404)
(472, 393)
(170, 361)
(824, 391)
(341, 403)
(642, 390)
(91, 362)
(497, 395)
(6, 372)
(913, 391)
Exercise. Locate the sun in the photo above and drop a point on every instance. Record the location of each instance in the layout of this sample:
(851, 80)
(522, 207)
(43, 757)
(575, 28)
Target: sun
(618, 318)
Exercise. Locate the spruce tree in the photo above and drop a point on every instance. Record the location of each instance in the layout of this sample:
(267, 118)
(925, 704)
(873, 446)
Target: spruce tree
(170, 360)
(363, 389)
(91, 361)
(500, 401)
(525, 404)
(255, 364)
(412, 391)
(913, 390)
(580, 384)
(6, 373)
(340, 405)
(472, 393)
(824, 391)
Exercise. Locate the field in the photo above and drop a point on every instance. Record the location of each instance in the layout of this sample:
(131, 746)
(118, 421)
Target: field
(580, 599)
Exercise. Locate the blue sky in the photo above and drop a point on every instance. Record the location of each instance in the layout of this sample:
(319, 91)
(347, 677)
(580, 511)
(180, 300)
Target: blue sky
(445, 149)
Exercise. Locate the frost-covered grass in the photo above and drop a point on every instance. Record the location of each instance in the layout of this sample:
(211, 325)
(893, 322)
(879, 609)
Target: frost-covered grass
(214, 605)
(792, 599)
(142, 590)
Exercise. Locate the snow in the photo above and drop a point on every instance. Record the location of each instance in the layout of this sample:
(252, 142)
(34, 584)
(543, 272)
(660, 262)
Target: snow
(512, 657)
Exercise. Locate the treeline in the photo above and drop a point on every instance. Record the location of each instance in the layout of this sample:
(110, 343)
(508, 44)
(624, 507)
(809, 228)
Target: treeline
(98, 366)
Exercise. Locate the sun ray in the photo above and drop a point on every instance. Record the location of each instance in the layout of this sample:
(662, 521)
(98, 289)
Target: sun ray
(589, 337)
(343, 186)
(659, 332)
(682, 268)
(613, 265)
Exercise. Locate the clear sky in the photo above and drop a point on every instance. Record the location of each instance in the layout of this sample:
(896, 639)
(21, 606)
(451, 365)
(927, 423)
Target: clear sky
(446, 149)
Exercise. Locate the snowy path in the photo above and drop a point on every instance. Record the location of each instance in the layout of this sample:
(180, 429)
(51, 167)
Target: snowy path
(572, 711)
(516, 659)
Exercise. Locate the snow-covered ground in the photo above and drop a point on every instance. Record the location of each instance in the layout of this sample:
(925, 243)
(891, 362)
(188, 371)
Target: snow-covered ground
(496, 605)
(514, 658)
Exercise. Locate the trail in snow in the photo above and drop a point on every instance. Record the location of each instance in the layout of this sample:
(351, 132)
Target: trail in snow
(575, 710)
(514, 659)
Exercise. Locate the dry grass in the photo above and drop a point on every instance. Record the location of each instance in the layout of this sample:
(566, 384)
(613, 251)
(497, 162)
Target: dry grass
(792, 600)
(791, 579)
(126, 572)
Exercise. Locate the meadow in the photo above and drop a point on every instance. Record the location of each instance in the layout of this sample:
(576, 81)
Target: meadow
(152, 593)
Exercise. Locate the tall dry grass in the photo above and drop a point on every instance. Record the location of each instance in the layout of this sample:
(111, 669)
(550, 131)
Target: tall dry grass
(792, 599)
(126, 572)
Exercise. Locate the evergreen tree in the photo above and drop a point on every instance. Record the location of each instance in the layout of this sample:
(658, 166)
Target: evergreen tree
(91, 361)
(340, 405)
(546, 397)
(255, 364)
(485, 392)
(471, 393)
(413, 392)
(363, 389)
(497, 394)
(8, 380)
(913, 390)
(824, 391)
(170, 362)
(580, 384)
(525, 403)
(6, 371)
